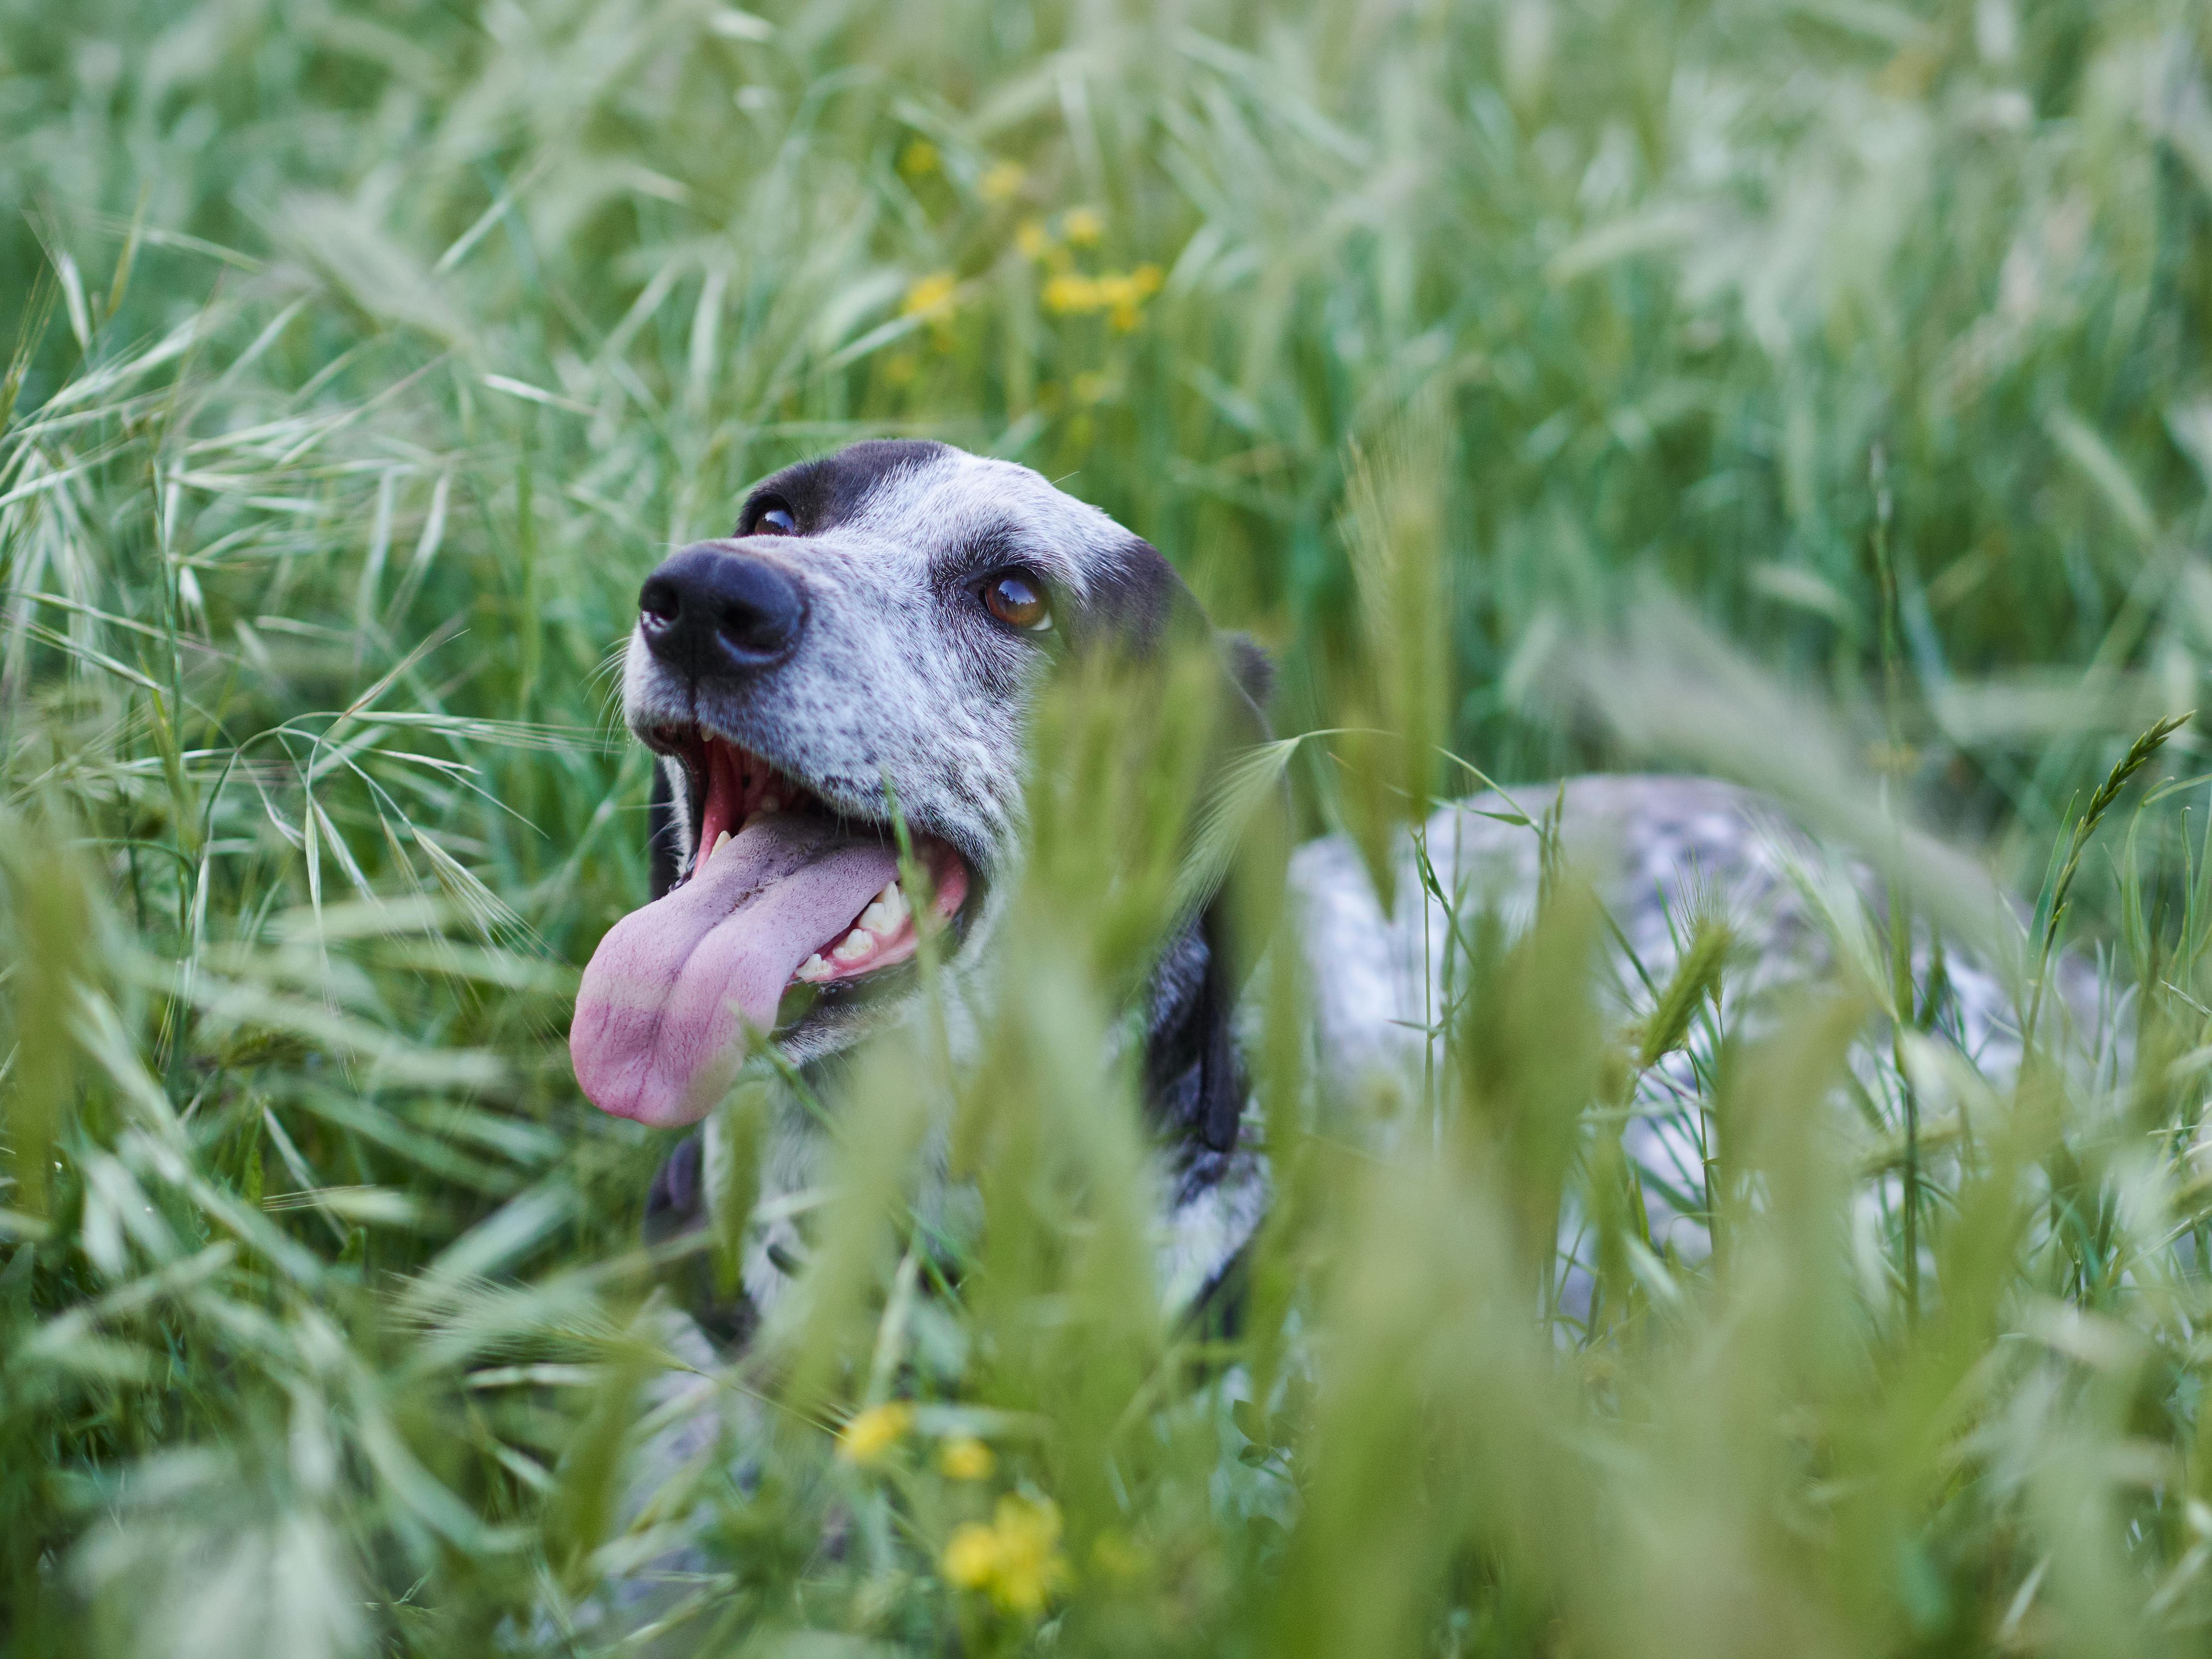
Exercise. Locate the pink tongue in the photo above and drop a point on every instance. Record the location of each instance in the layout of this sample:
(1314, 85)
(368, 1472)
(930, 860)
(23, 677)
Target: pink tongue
(657, 1034)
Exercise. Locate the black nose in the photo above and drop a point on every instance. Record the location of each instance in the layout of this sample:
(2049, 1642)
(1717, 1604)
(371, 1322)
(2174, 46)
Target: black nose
(713, 610)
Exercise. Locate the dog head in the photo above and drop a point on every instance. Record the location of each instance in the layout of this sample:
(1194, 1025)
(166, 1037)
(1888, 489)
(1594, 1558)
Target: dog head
(867, 647)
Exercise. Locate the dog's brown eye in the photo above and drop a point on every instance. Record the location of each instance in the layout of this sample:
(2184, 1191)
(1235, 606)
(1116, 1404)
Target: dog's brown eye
(1015, 601)
(774, 519)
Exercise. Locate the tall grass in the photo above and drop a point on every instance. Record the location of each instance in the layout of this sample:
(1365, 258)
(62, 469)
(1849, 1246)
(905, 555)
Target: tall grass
(364, 358)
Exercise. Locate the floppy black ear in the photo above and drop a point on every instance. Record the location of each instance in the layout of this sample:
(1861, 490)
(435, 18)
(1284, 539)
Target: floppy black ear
(1194, 1079)
(1194, 1083)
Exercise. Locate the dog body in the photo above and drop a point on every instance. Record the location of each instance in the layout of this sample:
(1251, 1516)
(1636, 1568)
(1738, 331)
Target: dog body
(870, 644)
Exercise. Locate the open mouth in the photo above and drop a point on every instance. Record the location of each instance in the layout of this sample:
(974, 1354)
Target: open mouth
(733, 788)
(784, 898)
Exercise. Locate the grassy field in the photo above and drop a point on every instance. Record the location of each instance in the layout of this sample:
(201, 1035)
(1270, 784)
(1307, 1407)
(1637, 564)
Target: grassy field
(1816, 393)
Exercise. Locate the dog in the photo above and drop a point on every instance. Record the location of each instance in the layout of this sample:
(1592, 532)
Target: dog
(869, 643)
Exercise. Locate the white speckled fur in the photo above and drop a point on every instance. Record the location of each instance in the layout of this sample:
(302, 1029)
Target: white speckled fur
(1654, 847)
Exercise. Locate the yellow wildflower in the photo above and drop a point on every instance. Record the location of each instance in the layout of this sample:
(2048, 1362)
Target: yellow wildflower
(1082, 226)
(1030, 1566)
(1002, 182)
(873, 1432)
(1091, 388)
(971, 1555)
(1016, 1559)
(1118, 293)
(1032, 238)
(919, 157)
(1071, 292)
(1123, 295)
(965, 1458)
(931, 295)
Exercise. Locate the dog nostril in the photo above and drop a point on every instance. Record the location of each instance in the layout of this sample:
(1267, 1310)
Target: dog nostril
(756, 630)
(659, 603)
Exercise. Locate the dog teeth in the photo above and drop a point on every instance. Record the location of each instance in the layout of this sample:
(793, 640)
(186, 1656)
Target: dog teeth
(720, 841)
(883, 917)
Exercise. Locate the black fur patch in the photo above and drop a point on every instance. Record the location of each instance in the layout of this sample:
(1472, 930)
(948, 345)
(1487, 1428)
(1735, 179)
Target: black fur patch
(1133, 602)
(823, 494)
(1195, 1082)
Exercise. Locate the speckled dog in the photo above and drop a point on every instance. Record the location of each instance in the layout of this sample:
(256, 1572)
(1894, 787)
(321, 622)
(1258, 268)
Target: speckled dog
(876, 630)
(878, 627)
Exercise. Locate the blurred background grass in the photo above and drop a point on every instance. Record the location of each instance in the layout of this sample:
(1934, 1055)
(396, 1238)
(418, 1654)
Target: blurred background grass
(365, 358)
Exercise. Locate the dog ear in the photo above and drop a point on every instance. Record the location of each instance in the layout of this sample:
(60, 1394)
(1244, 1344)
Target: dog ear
(1230, 926)
(1193, 1078)
(1195, 1084)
